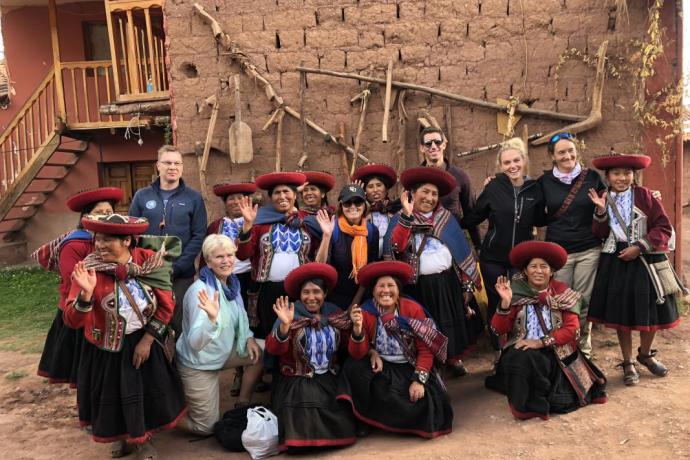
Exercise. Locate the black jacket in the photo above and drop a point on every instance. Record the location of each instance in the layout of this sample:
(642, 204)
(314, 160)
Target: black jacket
(573, 230)
(512, 216)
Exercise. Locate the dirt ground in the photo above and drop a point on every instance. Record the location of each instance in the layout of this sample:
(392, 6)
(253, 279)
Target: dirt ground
(38, 420)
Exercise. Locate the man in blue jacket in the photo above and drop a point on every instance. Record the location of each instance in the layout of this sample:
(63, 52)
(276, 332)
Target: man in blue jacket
(172, 208)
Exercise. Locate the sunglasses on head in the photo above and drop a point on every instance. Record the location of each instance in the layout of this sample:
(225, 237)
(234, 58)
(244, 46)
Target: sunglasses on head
(428, 143)
(557, 137)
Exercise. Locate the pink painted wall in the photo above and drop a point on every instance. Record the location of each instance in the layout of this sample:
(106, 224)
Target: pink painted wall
(26, 35)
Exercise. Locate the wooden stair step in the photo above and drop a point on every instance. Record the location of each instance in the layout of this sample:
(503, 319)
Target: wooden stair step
(7, 226)
(62, 159)
(42, 185)
(70, 145)
(31, 199)
(52, 172)
(23, 213)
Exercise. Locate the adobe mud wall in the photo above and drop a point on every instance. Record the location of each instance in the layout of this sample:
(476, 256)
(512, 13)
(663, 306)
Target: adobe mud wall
(484, 49)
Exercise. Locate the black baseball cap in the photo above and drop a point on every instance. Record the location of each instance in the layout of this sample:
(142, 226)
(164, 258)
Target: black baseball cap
(350, 193)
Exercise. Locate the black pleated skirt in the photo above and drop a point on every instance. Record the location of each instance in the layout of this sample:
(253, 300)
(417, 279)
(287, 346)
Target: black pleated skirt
(121, 402)
(536, 386)
(441, 295)
(383, 400)
(268, 292)
(309, 416)
(624, 298)
(61, 353)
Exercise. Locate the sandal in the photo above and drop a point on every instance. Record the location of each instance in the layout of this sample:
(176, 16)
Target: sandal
(120, 449)
(630, 374)
(653, 365)
(457, 369)
(146, 451)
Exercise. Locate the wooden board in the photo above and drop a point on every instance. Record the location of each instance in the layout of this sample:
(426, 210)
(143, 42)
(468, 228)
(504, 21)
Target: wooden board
(239, 133)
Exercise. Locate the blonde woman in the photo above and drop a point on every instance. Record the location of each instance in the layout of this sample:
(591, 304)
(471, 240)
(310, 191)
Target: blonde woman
(513, 205)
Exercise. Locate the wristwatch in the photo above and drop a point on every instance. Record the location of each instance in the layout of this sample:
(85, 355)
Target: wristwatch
(421, 377)
(548, 340)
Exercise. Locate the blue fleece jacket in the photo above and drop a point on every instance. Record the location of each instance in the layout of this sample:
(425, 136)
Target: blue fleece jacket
(184, 215)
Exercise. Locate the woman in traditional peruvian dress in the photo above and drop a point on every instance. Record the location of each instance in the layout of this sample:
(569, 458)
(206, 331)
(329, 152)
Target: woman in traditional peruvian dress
(427, 236)
(62, 349)
(306, 338)
(390, 380)
(314, 193)
(636, 231)
(127, 387)
(541, 369)
(377, 180)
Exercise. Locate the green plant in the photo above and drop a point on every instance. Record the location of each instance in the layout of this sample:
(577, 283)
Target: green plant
(16, 375)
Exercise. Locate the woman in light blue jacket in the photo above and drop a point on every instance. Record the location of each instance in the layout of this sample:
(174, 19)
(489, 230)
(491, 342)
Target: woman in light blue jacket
(215, 337)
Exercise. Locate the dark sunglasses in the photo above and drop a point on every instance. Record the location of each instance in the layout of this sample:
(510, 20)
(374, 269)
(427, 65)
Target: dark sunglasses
(427, 144)
(557, 137)
(349, 204)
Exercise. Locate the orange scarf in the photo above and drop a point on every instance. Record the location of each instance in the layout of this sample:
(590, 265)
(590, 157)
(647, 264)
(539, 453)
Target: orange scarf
(359, 243)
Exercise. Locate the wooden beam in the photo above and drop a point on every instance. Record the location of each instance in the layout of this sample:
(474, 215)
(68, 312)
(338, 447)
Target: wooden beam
(113, 53)
(445, 94)
(136, 107)
(54, 40)
(28, 174)
(132, 67)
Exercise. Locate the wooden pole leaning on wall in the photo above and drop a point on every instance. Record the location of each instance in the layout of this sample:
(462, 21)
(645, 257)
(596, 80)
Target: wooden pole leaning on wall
(303, 122)
(387, 101)
(363, 97)
(447, 95)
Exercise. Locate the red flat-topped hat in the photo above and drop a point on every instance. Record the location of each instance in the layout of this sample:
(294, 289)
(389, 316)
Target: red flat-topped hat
(619, 160)
(296, 278)
(270, 180)
(552, 253)
(115, 224)
(371, 272)
(81, 200)
(383, 172)
(223, 190)
(428, 175)
(320, 179)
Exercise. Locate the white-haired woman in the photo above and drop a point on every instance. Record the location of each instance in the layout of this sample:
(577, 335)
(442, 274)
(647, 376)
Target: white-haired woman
(513, 205)
(215, 337)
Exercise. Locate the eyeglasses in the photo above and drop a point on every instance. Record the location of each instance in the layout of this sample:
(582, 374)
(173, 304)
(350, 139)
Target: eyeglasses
(428, 143)
(557, 137)
(356, 203)
(170, 164)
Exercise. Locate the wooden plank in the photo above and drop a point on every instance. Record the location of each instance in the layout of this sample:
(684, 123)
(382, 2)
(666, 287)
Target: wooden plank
(84, 64)
(42, 185)
(132, 54)
(156, 95)
(98, 96)
(74, 95)
(21, 213)
(60, 158)
(59, 89)
(124, 5)
(107, 90)
(113, 53)
(123, 45)
(31, 199)
(52, 172)
(149, 40)
(27, 175)
(105, 125)
(11, 226)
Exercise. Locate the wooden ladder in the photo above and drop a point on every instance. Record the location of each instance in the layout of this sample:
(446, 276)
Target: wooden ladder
(36, 181)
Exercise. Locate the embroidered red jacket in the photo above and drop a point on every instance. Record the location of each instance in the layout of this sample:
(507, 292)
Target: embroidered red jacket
(651, 229)
(566, 325)
(257, 247)
(291, 364)
(103, 325)
(70, 253)
(409, 308)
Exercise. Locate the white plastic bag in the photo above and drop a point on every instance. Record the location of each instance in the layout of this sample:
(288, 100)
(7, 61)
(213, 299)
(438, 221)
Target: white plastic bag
(261, 436)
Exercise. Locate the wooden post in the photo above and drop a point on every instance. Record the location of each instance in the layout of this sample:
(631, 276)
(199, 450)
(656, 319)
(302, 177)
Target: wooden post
(387, 102)
(132, 67)
(113, 53)
(149, 39)
(54, 40)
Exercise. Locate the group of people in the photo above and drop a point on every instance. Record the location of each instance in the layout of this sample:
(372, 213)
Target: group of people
(354, 314)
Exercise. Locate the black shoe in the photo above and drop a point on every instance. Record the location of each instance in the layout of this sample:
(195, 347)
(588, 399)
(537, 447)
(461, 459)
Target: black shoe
(649, 361)
(457, 369)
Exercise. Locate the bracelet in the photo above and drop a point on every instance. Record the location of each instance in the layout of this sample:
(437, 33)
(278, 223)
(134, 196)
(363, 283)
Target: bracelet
(421, 377)
(83, 306)
(357, 339)
(548, 341)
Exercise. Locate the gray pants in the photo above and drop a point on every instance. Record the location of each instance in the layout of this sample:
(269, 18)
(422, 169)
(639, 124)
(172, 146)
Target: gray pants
(180, 286)
(579, 273)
